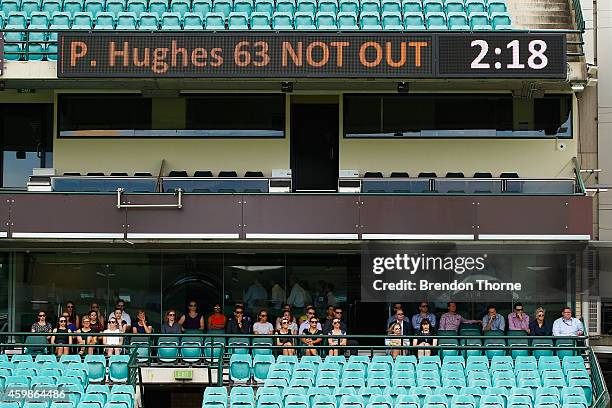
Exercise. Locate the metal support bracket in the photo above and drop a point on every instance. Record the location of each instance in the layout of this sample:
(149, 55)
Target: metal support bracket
(178, 205)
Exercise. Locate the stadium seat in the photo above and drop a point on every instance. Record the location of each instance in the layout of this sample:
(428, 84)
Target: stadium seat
(370, 21)
(501, 21)
(158, 7)
(203, 7)
(326, 21)
(261, 366)
(392, 20)
(126, 21)
(496, 6)
(304, 21)
(82, 21)
(118, 368)
(240, 367)
(260, 21)
(148, 22)
(371, 6)
(307, 6)
(285, 6)
(265, 6)
(328, 6)
(241, 6)
(193, 21)
(105, 21)
(458, 21)
(436, 20)
(137, 7)
(414, 21)
(180, 6)
(171, 21)
(347, 20)
(433, 6)
(479, 21)
(214, 21)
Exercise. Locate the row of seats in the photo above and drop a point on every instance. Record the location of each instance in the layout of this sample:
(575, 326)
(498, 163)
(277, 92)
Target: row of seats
(443, 397)
(75, 394)
(450, 174)
(92, 369)
(172, 173)
(237, 20)
(225, 7)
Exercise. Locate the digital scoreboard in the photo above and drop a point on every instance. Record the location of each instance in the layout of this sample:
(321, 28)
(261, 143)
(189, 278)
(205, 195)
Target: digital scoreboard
(286, 55)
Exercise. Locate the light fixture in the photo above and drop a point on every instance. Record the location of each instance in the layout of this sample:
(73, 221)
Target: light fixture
(577, 87)
(286, 86)
(403, 87)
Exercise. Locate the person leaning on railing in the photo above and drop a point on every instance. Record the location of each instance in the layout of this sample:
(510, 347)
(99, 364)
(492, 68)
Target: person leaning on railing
(493, 321)
(395, 330)
(567, 325)
(451, 320)
(142, 326)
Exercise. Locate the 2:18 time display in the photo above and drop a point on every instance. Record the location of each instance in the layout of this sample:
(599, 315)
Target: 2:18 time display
(536, 60)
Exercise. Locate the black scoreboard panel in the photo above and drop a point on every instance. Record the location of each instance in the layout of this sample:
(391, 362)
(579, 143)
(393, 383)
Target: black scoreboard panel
(502, 55)
(288, 55)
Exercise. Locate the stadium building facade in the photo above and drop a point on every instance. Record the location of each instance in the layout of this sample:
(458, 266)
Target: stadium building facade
(166, 155)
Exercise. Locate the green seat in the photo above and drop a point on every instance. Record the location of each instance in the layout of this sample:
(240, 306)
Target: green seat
(266, 346)
(240, 367)
(118, 371)
(34, 346)
(260, 21)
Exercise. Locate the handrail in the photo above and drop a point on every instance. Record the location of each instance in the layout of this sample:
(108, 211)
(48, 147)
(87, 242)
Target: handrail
(601, 392)
(578, 174)
(179, 204)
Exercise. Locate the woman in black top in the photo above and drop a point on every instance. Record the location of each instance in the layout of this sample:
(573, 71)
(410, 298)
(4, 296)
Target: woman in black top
(424, 338)
(540, 326)
(285, 341)
(60, 336)
(312, 330)
(193, 320)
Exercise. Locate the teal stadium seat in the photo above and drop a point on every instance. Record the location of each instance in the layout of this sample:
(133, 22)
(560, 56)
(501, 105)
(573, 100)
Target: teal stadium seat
(9, 6)
(71, 7)
(244, 6)
(96, 367)
(51, 6)
(458, 21)
(412, 6)
(118, 368)
(392, 20)
(328, 6)
(349, 6)
(326, 21)
(222, 6)
(433, 6)
(260, 21)
(285, 6)
(148, 22)
(137, 7)
(472, 6)
(261, 366)
(82, 21)
(454, 6)
(479, 21)
(181, 7)
(370, 6)
(21, 358)
(297, 401)
(168, 347)
(370, 21)
(264, 344)
(115, 7)
(307, 6)
(215, 21)
(94, 7)
(501, 21)
(436, 20)
(283, 21)
(408, 401)
(347, 20)
(104, 21)
(304, 21)
(193, 21)
(126, 21)
(269, 401)
(323, 401)
(573, 363)
(201, 6)
(265, 6)
(497, 6)
(158, 7)
(240, 367)
(30, 6)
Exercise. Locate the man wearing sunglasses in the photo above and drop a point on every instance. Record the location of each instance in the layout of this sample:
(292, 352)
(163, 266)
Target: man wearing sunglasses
(518, 320)
(237, 324)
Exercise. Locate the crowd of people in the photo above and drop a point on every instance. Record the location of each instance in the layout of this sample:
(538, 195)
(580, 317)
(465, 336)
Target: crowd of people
(330, 331)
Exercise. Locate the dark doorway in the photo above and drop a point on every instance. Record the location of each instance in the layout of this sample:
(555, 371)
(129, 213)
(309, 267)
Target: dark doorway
(314, 147)
(26, 134)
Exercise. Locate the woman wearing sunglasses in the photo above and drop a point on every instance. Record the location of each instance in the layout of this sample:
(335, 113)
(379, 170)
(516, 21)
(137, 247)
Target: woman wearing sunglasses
(89, 340)
(284, 338)
(263, 326)
(170, 325)
(193, 320)
(312, 330)
(335, 337)
(540, 326)
(60, 336)
(112, 341)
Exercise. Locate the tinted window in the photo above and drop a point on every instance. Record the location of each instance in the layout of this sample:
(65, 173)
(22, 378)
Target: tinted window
(237, 115)
(471, 115)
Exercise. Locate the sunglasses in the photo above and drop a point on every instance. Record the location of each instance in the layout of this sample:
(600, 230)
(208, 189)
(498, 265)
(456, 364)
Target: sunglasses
(171, 314)
(237, 312)
(69, 307)
(112, 321)
(62, 321)
(338, 312)
(85, 321)
(284, 322)
(192, 305)
(336, 322)
(314, 321)
(540, 315)
(42, 315)
(263, 315)
(519, 310)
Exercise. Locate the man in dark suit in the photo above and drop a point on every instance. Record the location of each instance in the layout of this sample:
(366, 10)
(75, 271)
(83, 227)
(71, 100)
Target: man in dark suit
(399, 319)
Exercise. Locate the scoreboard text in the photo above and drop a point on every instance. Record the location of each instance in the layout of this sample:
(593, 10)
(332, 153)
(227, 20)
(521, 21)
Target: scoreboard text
(311, 55)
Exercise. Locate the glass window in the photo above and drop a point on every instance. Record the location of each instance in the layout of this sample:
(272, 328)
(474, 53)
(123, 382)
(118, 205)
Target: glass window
(258, 115)
(471, 115)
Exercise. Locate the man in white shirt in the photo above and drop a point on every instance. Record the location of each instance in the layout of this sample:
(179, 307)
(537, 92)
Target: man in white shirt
(567, 325)
(298, 296)
(306, 323)
(124, 316)
(255, 296)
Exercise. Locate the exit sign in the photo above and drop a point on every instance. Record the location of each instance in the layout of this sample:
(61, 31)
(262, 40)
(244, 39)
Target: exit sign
(183, 374)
